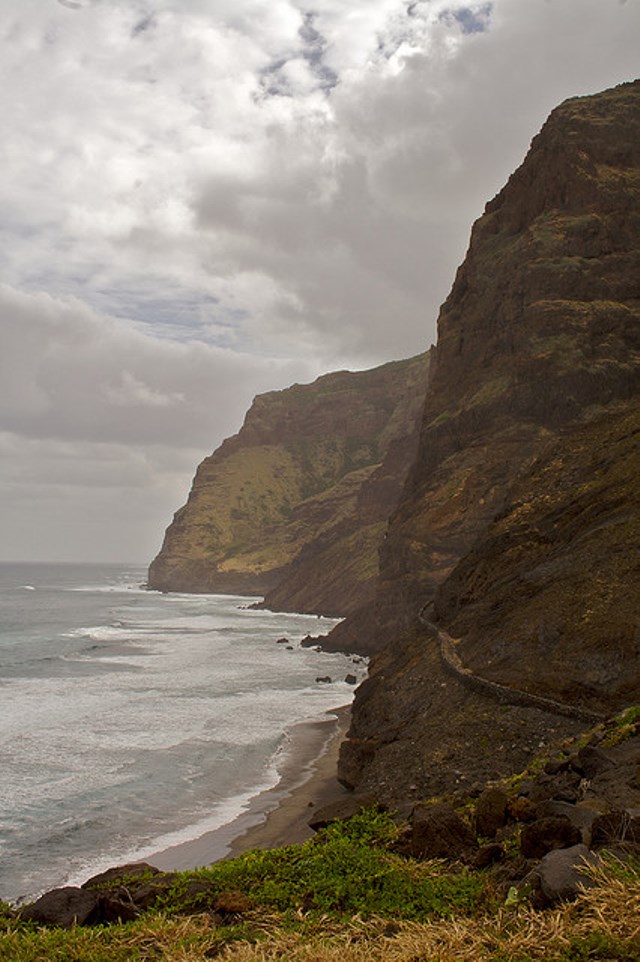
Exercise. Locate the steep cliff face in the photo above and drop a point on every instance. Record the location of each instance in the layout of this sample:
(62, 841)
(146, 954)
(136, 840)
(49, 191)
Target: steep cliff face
(295, 504)
(547, 599)
(539, 339)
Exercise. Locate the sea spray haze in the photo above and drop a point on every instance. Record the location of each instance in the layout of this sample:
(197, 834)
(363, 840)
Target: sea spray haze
(131, 720)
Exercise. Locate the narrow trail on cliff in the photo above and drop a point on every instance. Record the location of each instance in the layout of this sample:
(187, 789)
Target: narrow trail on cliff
(501, 693)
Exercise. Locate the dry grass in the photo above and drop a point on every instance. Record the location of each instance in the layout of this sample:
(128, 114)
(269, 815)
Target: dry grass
(603, 924)
(611, 909)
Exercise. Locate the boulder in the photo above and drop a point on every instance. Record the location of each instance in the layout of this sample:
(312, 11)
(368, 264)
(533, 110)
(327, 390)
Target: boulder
(351, 679)
(147, 894)
(490, 812)
(581, 816)
(488, 855)
(561, 874)
(324, 680)
(591, 761)
(112, 875)
(437, 831)
(63, 907)
(555, 766)
(522, 809)
(545, 834)
(564, 787)
(111, 910)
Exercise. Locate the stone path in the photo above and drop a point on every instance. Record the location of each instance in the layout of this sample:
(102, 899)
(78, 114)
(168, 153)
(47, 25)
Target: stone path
(502, 693)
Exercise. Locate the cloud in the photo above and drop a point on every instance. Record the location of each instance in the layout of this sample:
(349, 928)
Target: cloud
(69, 373)
(102, 426)
(200, 202)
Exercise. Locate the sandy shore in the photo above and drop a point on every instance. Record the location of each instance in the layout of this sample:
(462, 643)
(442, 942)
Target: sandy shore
(278, 816)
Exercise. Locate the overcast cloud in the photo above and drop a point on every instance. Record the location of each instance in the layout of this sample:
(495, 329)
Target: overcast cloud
(204, 200)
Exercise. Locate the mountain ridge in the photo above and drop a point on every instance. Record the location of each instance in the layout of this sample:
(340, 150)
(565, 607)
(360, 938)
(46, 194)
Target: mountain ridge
(294, 505)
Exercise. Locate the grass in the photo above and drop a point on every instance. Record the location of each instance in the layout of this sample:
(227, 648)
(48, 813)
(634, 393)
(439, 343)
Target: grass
(346, 870)
(345, 897)
(602, 924)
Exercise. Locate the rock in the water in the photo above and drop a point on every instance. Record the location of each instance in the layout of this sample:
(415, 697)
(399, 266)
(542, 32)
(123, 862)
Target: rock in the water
(63, 907)
(490, 812)
(437, 831)
(546, 834)
(351, 679)
(324, 680)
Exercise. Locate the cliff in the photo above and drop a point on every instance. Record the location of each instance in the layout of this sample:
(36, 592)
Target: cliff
(295, 505)
(519, 519)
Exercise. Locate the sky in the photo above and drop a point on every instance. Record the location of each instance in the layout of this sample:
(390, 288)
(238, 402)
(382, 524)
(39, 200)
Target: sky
(203, 200)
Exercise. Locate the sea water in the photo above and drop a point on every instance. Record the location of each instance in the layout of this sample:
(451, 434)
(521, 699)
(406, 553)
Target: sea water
(131, 720)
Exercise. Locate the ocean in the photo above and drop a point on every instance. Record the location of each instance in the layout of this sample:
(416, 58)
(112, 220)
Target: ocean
(132, 720)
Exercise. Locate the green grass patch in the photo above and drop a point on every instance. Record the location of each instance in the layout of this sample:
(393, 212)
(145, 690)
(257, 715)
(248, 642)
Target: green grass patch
(346, 870)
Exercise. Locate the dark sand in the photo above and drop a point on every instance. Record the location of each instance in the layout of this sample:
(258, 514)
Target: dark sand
(278, 816)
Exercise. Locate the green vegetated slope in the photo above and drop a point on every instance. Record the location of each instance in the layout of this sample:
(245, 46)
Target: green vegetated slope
(530, 415)
(347, 895)
(295, 503)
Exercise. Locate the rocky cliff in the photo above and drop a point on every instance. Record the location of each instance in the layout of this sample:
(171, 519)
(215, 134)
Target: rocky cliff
(519, 520)
(295, 505)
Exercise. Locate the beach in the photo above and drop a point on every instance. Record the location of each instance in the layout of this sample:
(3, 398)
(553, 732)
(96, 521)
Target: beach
(278, 816)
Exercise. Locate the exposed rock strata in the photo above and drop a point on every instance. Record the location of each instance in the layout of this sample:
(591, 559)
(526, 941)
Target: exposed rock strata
(295, 505)
(531, 415)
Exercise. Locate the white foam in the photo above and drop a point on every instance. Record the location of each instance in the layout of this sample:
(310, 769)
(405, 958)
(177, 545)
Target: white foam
(209, 691)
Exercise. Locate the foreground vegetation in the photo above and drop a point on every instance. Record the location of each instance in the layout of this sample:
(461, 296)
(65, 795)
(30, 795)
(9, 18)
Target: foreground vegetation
(346, 897)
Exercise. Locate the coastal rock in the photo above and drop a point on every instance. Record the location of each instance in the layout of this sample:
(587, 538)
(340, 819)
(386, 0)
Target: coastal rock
(111, 910)
(581, 816)
(565, 786)
(591, 761)
(147, 894)
(63, 908)
(560, 875)
(488, 855)
(131, 870)
(545, 834)
(437, 831)
(490, 812)
(522, 809)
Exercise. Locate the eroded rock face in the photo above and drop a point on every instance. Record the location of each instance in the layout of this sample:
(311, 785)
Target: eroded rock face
(531, 419)
(295, 505)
